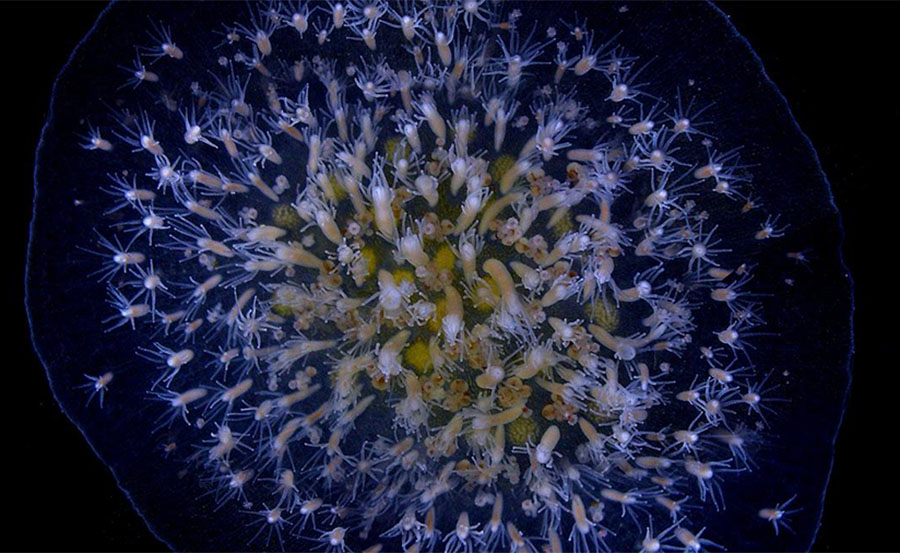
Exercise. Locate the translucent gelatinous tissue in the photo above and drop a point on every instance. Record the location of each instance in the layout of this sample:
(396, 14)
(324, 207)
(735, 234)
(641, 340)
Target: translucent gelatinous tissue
(463, 276)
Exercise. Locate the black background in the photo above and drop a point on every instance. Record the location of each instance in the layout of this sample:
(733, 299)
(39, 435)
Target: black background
(833, 62)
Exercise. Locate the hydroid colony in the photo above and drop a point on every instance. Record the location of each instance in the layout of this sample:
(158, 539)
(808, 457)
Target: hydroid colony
(463, 287)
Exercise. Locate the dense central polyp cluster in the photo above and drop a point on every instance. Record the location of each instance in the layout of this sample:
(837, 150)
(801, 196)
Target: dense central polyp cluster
(459, 285)
(467, 296)
(463, 298)
(412, 308)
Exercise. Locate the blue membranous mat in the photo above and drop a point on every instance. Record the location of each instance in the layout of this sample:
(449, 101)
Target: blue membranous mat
(456, 276)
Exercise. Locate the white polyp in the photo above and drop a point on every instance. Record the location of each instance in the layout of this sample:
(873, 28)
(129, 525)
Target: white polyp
(497, 270)
(337, 15)
(470, 208)
(384, 214)
(452, 323)
(412, 136)
(462, 137)
(428, 188)
(408, 25)
(619, 93)
(500, 128)
(544, 449)
(412, 251)
(468, 255)
(154, 222)
(519, 168)
(458, 169)
(494, 209)
(390, 297)
(340, 119)
(443, 48)
(368, 131)
(641, 127)
(514, 71)
(491, 109)
(301, 22)
(401, 169)
(312, 162)
(434, 119)
(329, 228)
(369, 39)
(584, 65)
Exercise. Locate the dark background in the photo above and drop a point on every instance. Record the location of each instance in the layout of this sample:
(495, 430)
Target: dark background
(832, 61)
